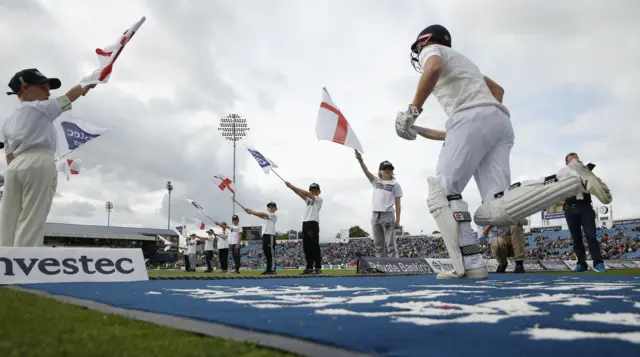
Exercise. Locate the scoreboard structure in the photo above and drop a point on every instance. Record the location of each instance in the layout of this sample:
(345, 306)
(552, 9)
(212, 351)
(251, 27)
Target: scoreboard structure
(252, 233)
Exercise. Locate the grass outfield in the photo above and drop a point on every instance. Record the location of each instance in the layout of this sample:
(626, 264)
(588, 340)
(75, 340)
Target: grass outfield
(40, 327)
(36, 326)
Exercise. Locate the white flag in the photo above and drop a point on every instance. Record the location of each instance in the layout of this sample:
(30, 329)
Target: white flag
(73, 133)
(262, 160)
(167, 243)
(333, 126)
(195, 204)
(108, 56)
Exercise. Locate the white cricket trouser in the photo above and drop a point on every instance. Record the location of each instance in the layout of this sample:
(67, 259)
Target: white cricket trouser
(478, 144)
(30, 184)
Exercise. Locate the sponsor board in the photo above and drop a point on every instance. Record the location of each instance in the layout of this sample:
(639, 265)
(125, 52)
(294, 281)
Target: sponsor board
(554, 265)
(440, 265)
(368, 265)
(614, 264)
(572, 264)
(56, 265)
(492, 266)
(532, 265)
(628, 264)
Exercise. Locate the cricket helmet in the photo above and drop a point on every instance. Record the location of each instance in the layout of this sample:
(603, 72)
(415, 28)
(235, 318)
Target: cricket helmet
(436, 33)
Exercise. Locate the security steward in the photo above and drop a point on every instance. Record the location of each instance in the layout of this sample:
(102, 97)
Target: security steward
(581, 216)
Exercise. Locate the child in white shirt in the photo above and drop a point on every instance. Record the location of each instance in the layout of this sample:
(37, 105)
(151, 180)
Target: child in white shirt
(387, 194)
(235, 237)
(268, 235)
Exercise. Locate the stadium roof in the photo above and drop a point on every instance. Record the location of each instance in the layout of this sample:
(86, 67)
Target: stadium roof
(108, 232)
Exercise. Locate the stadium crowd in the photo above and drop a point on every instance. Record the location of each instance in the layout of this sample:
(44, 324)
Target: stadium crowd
(621, 242)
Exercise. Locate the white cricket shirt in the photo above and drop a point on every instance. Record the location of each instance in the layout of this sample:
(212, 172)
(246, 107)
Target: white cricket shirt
(234, 235)
(191, 249)
(461, 85)
(384, 195)
(269, 224)
(208, 244)
(566, 172)
(312, 212)
(31, 126)
(223, 240)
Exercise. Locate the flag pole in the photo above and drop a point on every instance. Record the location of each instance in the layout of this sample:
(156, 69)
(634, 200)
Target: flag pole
(234, 200)
(272, 170)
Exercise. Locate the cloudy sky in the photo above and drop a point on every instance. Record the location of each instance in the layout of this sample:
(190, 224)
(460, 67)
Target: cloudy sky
(570, 70)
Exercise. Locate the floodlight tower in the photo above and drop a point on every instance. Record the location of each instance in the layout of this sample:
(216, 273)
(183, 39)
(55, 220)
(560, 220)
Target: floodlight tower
(169, 187)
(108, 206)
(233, 128)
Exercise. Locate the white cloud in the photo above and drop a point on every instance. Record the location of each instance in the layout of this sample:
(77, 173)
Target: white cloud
(193, 62)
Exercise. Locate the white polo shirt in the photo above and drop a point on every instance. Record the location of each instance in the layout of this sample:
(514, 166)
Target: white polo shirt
(234, 235)
(312, 213)
(208, 244)
(384, 195)
(269, 224)
(31, 126)
(223, 240)
(191, 248)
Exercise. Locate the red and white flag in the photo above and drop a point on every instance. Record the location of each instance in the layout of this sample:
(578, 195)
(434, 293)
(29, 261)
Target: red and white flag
(201, 226)
(224, 183)
(108, 56)
(69, 167)
(333, 126)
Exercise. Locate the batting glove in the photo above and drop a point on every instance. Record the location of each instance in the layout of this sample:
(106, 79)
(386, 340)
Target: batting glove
(405, 121)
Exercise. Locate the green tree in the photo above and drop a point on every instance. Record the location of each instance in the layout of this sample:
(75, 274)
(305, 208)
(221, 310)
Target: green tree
(282, 236)
(435, 232)
(357, 232)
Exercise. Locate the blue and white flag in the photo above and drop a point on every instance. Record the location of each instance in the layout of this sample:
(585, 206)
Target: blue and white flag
(73, 133)
(262, 160)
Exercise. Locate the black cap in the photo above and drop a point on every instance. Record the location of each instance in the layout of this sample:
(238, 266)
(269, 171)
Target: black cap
(234, 217)
(314, 186)
(385, 165)
(272, 204)
(31, 76)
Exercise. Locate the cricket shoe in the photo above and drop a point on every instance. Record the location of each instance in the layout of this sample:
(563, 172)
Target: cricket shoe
(592, 184)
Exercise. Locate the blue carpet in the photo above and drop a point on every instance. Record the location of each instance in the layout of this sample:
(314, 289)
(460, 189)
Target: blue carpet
(508, 315)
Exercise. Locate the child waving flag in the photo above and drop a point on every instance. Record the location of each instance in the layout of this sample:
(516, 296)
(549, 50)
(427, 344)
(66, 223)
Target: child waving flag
(268, 234)
(387, 194)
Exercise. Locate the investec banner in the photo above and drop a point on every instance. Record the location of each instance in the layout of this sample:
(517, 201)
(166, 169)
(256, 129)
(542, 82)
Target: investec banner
(58, 265)
(368, 265)
(554, 265)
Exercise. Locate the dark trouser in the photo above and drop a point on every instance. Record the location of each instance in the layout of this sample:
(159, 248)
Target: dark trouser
(268, 247)
(583, 215)
(224, 258)
(235, 252)
(187, 266)
(311, 244)
(208, 255)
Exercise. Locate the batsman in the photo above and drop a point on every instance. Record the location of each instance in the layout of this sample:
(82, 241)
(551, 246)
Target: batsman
(477, 143)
